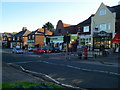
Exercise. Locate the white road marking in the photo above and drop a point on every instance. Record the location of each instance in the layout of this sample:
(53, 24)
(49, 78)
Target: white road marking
(106, 72)
(47, 76)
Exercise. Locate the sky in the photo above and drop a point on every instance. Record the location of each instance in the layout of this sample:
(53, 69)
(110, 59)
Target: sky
(33, 14)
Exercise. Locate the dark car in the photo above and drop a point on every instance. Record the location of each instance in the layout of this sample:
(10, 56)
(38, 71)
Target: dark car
(54, 49)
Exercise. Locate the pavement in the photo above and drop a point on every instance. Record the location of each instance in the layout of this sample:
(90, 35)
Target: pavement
(10, 74)
(111, 59)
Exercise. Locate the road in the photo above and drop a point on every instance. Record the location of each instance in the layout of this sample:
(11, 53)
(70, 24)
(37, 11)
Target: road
(73, 73)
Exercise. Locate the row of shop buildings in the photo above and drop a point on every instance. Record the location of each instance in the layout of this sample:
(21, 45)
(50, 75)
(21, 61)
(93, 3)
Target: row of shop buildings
(99, 29)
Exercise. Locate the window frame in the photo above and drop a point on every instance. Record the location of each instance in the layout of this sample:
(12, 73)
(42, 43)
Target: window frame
(109, 26)
(102, 12)
(102, 27)
(86, 28)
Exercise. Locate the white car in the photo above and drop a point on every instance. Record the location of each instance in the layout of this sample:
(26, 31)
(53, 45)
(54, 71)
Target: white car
(17, 50)
(30, 49)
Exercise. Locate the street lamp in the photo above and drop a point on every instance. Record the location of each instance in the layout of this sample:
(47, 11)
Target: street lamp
(78, 36)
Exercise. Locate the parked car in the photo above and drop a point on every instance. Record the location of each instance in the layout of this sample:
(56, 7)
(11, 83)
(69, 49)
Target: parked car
(39, 50)
(17, 50)
(53, 50)
(30, 49)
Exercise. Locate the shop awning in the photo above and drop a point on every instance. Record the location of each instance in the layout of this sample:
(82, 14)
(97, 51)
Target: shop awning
(116, 39)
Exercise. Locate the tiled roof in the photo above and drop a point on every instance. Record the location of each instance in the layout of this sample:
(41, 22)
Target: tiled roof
(33, 32)
(40, 31)
(22, 33)
(115, 9)
(87, 21)
(71, 29)
(8, 34)
(66, 25)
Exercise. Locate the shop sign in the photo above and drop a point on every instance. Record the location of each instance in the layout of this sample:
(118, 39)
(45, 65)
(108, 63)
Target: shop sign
(56, 38)
(102, 33)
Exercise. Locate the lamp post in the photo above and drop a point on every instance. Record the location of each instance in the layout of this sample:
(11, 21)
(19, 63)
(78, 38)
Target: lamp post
(67, 45)
(78, 36)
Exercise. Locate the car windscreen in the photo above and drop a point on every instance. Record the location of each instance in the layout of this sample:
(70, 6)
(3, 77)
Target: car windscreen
(18, 49)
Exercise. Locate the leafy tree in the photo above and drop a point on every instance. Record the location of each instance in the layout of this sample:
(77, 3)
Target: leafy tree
(49, 26)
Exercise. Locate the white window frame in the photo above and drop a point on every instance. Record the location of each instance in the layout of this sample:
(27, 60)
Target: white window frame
(102, 12)
(109, 26)
(29, 37)
(102, 27)
(86, 29)
(33, 36)
(13, 38)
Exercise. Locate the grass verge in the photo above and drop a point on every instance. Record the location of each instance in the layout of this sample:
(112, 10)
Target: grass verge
(27, 84)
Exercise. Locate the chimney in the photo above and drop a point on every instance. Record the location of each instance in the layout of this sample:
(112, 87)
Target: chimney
(119, 3)
(24, 28)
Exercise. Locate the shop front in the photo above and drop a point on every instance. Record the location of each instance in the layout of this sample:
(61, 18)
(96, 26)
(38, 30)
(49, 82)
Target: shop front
(102, 39)
(16, 44)
(31, 43)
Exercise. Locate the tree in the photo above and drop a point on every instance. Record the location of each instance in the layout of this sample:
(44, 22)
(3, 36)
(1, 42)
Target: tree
(49, 26)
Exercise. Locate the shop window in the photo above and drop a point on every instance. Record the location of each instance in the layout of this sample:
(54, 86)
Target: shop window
(106, 41)
(102, 26)
(102, 12)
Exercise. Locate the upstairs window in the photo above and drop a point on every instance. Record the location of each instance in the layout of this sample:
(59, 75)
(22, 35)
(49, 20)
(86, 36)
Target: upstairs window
(102, 12)
(102, 26)
(86, 29)
(29, 37)
(109, 26)
(18, 38)
(13, 38)
(33, 36)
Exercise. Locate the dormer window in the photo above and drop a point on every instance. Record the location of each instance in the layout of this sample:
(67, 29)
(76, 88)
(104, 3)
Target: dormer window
(102, 12)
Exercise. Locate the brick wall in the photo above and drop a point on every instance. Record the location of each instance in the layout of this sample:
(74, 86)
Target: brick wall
(24, 40)
(39, 40)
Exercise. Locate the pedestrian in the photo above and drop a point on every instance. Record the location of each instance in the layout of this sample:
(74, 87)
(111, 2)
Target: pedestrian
(117, 50)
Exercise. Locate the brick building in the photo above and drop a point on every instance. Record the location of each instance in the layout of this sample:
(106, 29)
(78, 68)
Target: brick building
(6, 38)
(36, 38)
(20, 39)
(63, 29)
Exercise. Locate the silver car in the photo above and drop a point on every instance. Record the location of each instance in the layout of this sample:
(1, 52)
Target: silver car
(17, 50)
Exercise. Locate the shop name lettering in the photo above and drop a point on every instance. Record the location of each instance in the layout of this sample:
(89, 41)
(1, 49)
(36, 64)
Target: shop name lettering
(102, 34)
(117, 39)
